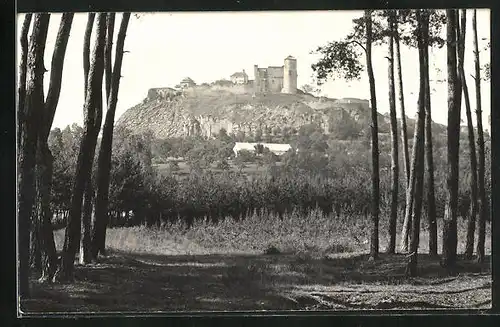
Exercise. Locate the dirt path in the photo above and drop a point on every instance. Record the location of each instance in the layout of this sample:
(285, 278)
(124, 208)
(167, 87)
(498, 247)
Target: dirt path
(138, 282)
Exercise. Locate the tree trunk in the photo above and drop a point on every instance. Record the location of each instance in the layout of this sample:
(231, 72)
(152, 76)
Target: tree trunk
(44, 213)
(110, 28)
(410, 190)
(453, 131)
(105, 150)
(404, 137)
(86, 51)
(417, 163)
(84, 256)
(35, 253)
(110, 24)
(44, 160)
(93, 102)
(33, 105)
(374, 241)
(482, 203)
(431, 198)
(404, 133)
(471, 224)
(56, 71)
(394, 140)
(85, 241)
(21, 91)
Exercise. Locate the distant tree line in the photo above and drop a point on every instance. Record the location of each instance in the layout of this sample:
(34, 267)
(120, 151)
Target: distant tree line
(331, 176)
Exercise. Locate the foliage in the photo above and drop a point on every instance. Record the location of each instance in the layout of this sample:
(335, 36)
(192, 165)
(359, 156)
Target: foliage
(64, 146)
(486, 71)
(197, 151)
(132, 175)
(307, 88)
(223, 82)
(332, 176)
(408, 27)
(259, 149)
(223, 164)
(379, 31)
(344, 127)
(339, 59)
(246, 156)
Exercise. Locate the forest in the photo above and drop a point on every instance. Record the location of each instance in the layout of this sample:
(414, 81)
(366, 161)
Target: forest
(97, 201)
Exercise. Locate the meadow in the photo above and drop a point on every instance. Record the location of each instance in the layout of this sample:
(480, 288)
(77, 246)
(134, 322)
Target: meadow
(312, 262)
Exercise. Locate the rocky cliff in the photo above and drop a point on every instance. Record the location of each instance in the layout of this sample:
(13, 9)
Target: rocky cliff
(205, 111)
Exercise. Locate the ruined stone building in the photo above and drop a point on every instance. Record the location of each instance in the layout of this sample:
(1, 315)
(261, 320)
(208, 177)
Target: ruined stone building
(187, 82)
(277, 79)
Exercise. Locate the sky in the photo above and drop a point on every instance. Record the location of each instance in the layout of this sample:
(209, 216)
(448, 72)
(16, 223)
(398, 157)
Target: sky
(163, 48)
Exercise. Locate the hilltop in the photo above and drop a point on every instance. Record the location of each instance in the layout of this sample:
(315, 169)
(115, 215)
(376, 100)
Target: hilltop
(205, 110)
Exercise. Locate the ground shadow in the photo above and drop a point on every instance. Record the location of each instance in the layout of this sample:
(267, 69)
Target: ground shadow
(146, 282)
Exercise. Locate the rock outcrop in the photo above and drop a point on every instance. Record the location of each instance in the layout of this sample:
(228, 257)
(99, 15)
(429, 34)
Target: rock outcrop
(204, 111)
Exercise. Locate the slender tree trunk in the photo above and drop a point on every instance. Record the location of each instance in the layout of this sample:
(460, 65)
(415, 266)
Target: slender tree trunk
(33, 105)
(417, 204)
(394, 140)
(471, 224)
(93, 102)
(431, 198)
(482, 203)
(21, 91)
(35, 253)
(44, 160)
(374, 240)
(410, 191)
(86, 51)
(105, 151)
(453, 131)
(85, 227)
(108, 63)
(404, 137)
(110, 25)
(85, 241)
(404, 130)
(44, 213)
(418, 146)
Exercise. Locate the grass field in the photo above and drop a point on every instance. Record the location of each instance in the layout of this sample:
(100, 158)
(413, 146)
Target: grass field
(262, 263)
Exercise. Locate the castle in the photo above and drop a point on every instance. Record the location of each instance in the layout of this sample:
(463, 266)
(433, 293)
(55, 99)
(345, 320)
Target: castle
(276, 79)
(273, 79)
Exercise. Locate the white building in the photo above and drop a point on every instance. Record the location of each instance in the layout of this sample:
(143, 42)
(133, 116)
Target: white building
(239, 77)
(276, 148)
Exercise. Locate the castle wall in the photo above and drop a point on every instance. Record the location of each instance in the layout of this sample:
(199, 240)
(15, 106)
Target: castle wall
(274, 79)
(215, 90)
(268, 79)
(259, 80)
(236, 89)
(164, 93)
(262, 87)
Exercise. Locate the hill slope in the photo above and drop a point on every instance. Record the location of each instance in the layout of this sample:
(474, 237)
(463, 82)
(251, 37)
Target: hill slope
(205, 111)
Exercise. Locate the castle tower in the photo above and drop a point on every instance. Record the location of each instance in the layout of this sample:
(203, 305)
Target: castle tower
(290, 75)
(256, 79)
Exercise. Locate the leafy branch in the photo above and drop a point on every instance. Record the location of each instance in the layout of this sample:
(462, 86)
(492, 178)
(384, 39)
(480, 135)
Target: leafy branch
(339, 59)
